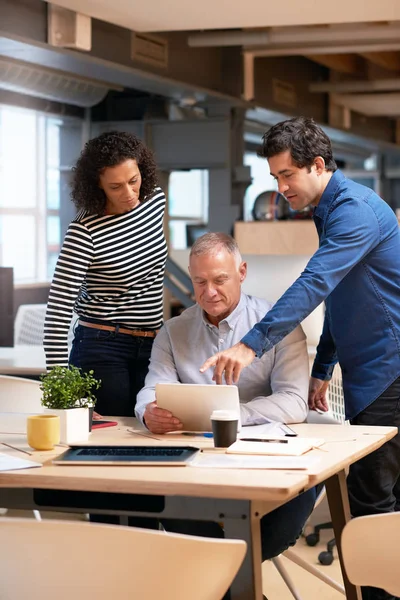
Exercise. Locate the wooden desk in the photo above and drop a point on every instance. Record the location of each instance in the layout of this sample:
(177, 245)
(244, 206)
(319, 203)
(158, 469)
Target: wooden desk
(22, 360)
(238, 499)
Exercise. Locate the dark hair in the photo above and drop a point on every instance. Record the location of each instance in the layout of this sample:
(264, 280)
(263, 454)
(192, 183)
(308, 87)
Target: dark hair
(305, 140)
(108, 150)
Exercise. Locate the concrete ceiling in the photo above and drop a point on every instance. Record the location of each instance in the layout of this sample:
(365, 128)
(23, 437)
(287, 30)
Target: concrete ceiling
(328, 33)
(179, 15)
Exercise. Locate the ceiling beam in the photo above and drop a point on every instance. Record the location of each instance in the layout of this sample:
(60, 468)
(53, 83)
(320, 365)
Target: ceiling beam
(387, 60)
(309, 49)
(344, 63)
(360, 33)
(373, 105)
(348, 87)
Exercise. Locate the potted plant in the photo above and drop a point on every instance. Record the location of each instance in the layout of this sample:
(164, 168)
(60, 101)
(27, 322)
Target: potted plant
(68, 393)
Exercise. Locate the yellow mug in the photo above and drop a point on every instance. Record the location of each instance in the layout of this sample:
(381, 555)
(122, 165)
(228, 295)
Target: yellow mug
(43, 431)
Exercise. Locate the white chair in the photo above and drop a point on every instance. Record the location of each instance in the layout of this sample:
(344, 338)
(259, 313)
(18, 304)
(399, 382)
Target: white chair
(64, 560)
(371, 553)
(18, 395)
(29, 325)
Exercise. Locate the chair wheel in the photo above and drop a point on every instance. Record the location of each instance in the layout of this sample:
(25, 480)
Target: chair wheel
(312, 539)
(325, 558)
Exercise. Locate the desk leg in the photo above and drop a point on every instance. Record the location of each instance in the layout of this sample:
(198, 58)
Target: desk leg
(247, 584)
(338, 501)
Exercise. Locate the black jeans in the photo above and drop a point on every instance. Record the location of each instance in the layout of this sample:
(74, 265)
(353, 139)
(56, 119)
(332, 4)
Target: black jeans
(279, 529)
(119, 360)
(374, 481)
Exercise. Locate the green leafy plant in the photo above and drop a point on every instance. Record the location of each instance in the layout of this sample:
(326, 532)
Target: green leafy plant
(68, 387)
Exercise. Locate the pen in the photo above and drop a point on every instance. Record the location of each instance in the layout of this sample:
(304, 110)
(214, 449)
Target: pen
(289, 431)
(261, 440)
(206, 435)
(15, 448)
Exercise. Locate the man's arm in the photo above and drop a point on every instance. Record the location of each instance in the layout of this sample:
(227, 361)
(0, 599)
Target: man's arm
(162, 369)
(322, 370)
(344, 246)
(326, 357)
(289, 384)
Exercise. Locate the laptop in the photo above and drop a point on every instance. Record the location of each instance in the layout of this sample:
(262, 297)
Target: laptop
(173, 456)
(193, 403)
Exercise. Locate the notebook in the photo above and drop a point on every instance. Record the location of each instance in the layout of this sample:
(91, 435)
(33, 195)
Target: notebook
(173, 456)
(97, 424)
(276, 447)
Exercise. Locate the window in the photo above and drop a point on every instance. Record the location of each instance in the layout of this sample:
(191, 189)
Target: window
(188, 204)
(262, 182)
(29, 193)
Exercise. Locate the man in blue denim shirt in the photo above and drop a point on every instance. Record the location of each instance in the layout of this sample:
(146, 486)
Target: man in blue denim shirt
(356, 270)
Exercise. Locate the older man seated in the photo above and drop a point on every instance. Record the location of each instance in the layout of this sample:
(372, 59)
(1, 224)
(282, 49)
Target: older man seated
(274, 387)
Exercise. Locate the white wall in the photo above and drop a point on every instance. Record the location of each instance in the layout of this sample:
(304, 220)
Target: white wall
(269, 277)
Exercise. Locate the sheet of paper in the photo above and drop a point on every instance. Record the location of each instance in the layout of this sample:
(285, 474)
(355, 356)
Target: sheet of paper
(278, 447)
(11, 463)
(229, 461)
(271, 429)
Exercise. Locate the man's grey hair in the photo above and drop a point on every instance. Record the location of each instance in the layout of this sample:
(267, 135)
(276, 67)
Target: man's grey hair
(211, 243)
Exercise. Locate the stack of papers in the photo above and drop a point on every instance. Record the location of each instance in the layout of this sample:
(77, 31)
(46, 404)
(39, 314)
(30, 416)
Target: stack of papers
(225, 461)
(272, 428)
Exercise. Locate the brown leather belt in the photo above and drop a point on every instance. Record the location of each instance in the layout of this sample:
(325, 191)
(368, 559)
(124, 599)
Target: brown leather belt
(136, 332)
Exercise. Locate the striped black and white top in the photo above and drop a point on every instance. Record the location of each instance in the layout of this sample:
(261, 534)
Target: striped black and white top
(111, 268)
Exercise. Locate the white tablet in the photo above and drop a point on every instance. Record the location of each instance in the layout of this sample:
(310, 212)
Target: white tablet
(193, 403)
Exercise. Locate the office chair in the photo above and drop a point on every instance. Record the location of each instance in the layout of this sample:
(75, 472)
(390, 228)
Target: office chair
(371, 552)
(29, 325)
(18, 395)
(337, 412)
(301, 562)
(335, 416)
(70, 559)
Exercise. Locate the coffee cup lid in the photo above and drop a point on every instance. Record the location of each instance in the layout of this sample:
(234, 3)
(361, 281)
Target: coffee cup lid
(224, 415)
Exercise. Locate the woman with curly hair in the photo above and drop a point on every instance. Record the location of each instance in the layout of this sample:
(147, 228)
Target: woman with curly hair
(110, 270)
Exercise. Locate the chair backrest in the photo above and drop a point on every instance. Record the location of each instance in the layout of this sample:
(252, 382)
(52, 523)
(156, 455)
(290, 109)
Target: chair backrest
(371, 551)
(29, 325)
(54, 559)
(18, 395)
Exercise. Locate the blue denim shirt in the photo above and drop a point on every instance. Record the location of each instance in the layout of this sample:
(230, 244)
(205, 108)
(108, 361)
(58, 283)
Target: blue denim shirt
(356, 270)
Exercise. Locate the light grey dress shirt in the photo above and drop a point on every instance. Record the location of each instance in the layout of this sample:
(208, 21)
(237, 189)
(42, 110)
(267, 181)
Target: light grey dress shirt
(273, 387)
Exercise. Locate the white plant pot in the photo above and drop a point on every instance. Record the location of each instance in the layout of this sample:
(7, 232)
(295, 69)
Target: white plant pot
(74, 424)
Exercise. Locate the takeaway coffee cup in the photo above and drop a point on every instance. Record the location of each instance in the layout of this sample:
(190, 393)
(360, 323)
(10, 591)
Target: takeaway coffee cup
(224, 426)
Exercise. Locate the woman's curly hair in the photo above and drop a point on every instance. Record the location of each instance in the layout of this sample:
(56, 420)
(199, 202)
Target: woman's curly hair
(108, 150)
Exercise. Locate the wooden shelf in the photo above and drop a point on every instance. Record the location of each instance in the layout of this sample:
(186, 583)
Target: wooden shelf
(276, 237)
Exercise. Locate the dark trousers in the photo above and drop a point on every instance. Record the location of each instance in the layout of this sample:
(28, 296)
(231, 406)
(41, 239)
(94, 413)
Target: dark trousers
(119, 360)
(279, 529)
(374, 481)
